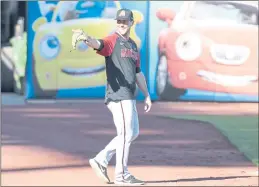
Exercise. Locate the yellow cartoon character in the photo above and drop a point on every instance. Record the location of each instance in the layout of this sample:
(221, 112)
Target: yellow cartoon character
(55, 67)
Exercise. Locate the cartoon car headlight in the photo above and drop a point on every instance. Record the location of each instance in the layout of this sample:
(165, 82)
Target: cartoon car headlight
(49, 47)
(188, 46)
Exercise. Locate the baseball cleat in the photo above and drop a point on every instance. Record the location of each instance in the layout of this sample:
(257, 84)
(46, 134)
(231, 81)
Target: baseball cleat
(100, 170)
(131, 180)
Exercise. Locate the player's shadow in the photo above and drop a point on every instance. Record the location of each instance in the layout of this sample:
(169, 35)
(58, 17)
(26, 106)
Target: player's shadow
(197, 179)
(194, 179)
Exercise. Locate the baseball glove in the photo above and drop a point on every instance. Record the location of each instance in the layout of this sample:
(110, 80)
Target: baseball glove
(78, 35)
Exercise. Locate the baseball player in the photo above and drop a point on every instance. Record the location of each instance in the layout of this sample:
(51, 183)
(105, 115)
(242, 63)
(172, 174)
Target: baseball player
(123, 73)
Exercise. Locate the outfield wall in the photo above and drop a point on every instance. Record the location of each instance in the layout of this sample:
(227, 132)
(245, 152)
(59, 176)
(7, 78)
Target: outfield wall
(202, 51)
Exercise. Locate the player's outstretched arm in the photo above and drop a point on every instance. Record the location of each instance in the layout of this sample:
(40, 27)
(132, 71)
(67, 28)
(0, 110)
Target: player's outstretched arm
(79, 34)
(92, 42)
(103, 46)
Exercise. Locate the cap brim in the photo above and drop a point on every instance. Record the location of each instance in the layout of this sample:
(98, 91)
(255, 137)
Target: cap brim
(122, 19)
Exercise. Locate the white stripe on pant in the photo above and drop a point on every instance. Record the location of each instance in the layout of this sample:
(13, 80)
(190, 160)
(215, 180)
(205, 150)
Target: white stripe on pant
(125, 117)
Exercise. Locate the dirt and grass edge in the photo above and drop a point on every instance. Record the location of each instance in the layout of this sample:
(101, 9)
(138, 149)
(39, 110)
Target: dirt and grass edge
(222, 131)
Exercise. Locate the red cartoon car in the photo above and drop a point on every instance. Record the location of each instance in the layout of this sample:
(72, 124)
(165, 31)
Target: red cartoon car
(209, 46)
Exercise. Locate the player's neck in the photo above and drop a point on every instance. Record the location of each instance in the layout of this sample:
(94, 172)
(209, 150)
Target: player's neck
(125, 36)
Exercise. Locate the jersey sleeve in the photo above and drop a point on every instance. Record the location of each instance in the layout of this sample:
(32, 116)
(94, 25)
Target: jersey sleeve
(107, 45)
(138, 64)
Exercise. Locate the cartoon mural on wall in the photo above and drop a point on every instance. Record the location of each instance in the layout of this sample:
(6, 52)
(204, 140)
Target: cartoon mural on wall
(54, 67)
(189, 50)
(201, 54)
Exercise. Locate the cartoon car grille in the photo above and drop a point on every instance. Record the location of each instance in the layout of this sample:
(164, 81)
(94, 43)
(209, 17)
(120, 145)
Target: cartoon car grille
(229, 54)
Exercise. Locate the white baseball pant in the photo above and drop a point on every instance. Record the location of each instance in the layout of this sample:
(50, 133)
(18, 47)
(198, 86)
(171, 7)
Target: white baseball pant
(125, 117)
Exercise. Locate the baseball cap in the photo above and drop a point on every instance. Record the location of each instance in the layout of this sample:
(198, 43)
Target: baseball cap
(124, 14)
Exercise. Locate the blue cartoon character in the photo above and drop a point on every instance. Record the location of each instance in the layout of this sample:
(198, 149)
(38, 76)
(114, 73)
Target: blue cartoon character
(72, 9)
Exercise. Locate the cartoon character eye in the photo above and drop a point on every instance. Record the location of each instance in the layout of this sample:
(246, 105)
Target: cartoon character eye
(81, 46)
(49, 47)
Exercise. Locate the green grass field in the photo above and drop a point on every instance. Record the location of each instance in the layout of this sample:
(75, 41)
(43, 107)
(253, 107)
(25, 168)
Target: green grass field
(242, 131)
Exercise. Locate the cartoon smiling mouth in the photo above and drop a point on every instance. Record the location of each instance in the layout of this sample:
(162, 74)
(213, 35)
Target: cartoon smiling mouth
(227, 80)
(83, 71)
